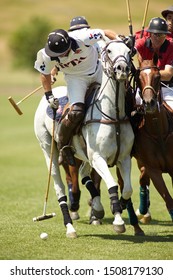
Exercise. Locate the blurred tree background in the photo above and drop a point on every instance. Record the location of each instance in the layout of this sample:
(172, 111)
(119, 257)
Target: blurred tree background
(27, 40)
(25, 25)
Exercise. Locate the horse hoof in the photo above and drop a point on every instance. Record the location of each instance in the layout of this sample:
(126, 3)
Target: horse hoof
(94, 221)
(171, 214)
(119, 228)
(118, 224)
(90, 202)
(146, 218)
(74, 216)
(97, 208)
(139, 233)
(139, 215)
(71, 233)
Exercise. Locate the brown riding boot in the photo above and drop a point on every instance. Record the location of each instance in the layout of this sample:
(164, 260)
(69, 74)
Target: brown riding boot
(66, 128)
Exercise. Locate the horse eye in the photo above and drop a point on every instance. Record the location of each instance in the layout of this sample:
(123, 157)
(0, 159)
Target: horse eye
(109, 51)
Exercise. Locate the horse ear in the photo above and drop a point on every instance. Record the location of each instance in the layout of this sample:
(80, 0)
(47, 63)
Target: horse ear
(155, 58)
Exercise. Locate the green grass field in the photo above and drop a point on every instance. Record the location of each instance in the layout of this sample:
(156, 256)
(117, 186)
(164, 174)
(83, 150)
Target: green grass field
(23, 173)
(23, 184)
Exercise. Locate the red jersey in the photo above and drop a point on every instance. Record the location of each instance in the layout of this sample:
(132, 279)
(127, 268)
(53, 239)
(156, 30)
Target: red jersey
(144, 47)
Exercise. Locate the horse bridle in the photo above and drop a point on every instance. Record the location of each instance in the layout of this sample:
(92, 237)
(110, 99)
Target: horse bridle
(156, 93)
(110, 72)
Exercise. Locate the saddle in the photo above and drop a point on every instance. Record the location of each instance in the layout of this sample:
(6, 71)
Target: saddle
(64, 105)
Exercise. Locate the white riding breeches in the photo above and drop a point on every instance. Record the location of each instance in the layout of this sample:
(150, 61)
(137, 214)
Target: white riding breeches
(78, 85)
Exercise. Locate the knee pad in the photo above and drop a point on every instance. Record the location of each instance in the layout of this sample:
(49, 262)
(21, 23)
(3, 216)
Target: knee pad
(77, 113)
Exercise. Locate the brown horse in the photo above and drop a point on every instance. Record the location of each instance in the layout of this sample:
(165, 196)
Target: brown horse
(153, 147)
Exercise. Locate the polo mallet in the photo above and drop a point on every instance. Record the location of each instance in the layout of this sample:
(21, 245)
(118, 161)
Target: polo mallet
(15, 105)
(144, 18)
(48, 216)
(129, 18)
(130, 24)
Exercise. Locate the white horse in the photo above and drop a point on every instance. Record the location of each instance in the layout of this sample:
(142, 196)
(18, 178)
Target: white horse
(106, 131)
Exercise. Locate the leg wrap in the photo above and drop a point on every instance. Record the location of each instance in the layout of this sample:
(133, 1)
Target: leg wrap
(115, 204)
(74, 201)
(143, 207)
(90, 186)
(64, 208)
(131, 213)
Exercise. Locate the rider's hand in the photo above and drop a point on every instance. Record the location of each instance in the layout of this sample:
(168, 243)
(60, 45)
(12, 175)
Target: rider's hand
(54, 103)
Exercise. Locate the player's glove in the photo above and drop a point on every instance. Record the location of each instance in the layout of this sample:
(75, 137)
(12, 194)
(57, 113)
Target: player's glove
(54, 103)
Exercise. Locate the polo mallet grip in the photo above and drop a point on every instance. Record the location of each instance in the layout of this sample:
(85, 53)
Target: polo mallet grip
(44, 217)
(129, 18)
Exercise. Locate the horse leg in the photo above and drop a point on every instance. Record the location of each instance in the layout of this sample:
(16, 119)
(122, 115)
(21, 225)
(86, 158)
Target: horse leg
(96, 181)
(96, 206)
(158, 182)
(73, 188)
(143, 212)
(129, 205)
(100, 165)
(44, 139)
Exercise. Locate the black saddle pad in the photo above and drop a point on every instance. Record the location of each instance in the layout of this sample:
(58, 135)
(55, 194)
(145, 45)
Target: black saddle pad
(62, 102)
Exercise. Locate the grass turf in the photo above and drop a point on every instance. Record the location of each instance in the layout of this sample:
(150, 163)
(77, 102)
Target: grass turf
(23, 184)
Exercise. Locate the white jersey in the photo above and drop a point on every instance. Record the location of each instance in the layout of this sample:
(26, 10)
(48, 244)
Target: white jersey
(77, 33)
(82, 58)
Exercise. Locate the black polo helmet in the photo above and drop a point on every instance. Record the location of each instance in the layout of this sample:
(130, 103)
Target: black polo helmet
(78, 23)
(158, 25)
(167, 11)
(58, 43)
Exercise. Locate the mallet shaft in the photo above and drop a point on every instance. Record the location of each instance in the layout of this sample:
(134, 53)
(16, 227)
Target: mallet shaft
(15, 105)
(29, 94)
(144, 18)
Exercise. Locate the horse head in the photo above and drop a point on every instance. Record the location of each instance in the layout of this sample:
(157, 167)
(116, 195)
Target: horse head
(148, 81)
(116, 60)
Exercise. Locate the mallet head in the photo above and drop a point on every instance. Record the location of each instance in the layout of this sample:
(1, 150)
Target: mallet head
(44, 217)
(16, 107)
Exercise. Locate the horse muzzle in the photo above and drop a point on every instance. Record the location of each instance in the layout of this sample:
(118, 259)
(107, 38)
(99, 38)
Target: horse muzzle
(150, 107)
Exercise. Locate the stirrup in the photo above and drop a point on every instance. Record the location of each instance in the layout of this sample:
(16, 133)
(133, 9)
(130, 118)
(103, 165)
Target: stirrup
(67, 155)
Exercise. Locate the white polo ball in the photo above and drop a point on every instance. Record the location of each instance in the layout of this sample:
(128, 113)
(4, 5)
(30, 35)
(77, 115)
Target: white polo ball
(44, 235)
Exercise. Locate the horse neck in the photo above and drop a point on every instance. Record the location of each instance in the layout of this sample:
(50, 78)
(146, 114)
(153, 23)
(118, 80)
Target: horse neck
(109, 95)
(156, 124)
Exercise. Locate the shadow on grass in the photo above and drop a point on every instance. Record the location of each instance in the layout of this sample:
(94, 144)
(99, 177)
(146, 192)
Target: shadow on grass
(133, 239)
(153, 236)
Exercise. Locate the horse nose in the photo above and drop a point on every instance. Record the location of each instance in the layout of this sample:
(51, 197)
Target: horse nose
(150, 106)
(123, 68)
